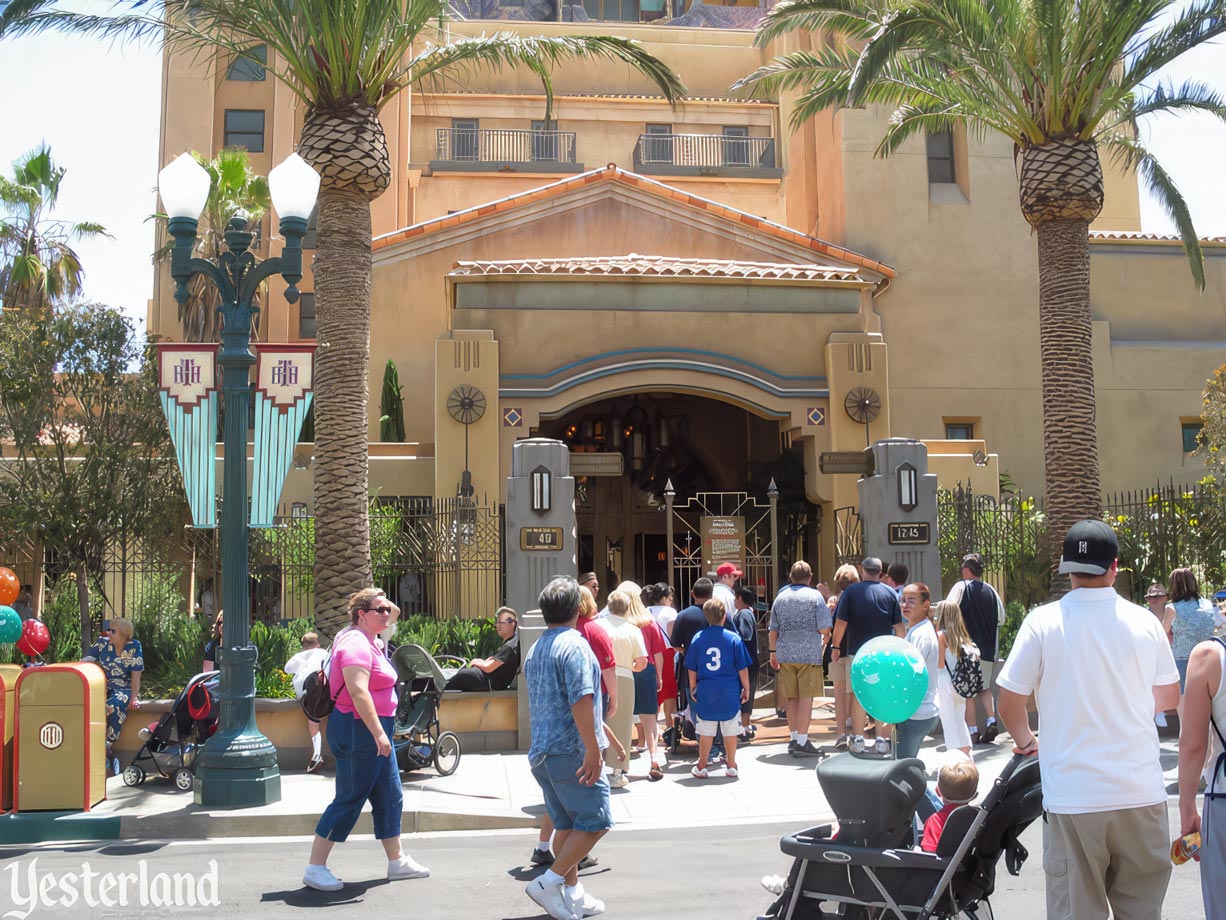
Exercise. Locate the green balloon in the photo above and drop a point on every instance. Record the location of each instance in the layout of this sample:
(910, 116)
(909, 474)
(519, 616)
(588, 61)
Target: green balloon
(889, 678)
(10, 625)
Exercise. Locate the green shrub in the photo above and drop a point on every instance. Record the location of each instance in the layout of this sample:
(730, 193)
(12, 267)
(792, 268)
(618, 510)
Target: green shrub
(62, 614)
(1015, 612)
(462, 638)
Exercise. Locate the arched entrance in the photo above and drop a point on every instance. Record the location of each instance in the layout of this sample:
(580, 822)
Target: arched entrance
(701, 445)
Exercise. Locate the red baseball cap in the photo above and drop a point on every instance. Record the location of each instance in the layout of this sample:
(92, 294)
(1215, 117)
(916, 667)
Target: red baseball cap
(727, 568)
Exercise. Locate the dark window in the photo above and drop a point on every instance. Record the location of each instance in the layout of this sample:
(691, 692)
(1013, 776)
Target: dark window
(940, 157)
(465, 141)
(306, 315)
(544, 141)
(959, 431)
(249, 67)
(658, 147)
(1191, 432)
(245, 128)
(310, 239)
(736, 145)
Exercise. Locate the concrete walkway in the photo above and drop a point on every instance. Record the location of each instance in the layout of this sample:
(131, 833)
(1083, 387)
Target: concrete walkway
(491, 791)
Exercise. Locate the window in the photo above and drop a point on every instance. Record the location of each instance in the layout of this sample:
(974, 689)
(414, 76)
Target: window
(306, 315)
(544, 141)
(249, 67)
(959, 431)
(658, 146)
(941, 157)
(1191, 432)
(465, 141)
(736, 145)
(244, 128)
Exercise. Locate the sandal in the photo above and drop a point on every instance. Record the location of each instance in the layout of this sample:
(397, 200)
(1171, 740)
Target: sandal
(655, 773)
(698, 773)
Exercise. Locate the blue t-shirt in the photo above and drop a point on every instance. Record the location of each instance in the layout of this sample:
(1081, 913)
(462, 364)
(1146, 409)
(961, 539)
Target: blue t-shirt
(717, 654)
(560, 670)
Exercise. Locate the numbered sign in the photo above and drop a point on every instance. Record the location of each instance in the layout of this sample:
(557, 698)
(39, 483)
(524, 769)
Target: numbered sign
(910, 534)
(540, 539)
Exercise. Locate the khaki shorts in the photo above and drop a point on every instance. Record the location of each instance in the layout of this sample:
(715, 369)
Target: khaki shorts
(800, 681)
(840, 672)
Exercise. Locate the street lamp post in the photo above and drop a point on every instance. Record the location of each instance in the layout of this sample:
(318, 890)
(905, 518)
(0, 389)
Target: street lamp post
(238, 766)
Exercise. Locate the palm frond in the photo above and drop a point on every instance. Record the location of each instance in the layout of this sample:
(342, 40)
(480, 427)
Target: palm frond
(1131, 154)
(853, 19)
(1190, 96)
(1196, 24)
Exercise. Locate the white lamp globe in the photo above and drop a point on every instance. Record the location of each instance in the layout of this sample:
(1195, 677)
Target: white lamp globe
(184, 187)
(294, 185)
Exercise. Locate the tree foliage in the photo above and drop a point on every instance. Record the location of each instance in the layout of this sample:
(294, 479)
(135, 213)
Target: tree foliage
(90, 460)
(1212, 438)
(38, 266)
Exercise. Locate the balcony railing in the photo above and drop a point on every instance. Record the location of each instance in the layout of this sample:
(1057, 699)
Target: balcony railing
(706, 155)
(511, 150)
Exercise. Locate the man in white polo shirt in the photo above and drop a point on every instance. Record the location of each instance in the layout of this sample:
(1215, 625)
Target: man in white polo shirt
(1100, 667)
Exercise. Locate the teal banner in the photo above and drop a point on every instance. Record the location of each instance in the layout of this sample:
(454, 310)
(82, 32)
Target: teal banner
(284, 375)
(187, 375)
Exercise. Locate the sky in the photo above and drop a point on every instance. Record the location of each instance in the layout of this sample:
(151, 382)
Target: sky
(97, 105)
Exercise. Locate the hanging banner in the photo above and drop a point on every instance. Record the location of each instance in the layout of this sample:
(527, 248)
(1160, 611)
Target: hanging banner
(283, 395)
(187, 376)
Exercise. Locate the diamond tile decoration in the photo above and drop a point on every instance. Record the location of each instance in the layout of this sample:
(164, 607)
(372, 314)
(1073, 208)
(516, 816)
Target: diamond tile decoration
(816, 415)
(512, 417)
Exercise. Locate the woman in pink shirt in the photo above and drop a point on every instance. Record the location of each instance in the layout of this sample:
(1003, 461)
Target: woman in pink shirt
(363, 682)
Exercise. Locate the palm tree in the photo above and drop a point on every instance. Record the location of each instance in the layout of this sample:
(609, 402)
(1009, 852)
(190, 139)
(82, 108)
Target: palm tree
(38, 266)
(233, 185)
(344, 60)
(1062, 79)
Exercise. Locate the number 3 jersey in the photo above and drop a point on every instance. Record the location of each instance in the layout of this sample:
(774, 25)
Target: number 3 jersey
(716, 655)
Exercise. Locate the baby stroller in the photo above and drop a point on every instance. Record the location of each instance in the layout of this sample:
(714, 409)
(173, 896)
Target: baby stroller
(171, 744)
(415, 735)
(869, 869)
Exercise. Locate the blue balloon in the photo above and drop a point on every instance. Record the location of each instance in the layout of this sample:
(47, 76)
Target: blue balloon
(10, 625)
(889, 678)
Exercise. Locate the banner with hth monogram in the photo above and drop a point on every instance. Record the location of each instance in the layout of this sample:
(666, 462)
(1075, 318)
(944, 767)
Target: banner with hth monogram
(282, 399)
(187, 376)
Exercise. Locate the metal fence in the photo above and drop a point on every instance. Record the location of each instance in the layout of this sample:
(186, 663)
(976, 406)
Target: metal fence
(505, 145)
(704, 150)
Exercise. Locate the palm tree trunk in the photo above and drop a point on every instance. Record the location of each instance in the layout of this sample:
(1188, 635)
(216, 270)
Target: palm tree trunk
(1070, 449)
(342, 361)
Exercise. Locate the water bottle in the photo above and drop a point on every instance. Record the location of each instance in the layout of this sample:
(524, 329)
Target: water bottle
(1185, 848)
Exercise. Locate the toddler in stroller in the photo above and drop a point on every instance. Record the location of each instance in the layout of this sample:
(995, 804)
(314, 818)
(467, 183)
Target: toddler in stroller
(170, 745)
(868, 869)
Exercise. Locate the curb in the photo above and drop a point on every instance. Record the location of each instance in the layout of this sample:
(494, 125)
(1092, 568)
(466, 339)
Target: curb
(206, 825)
(46, 826)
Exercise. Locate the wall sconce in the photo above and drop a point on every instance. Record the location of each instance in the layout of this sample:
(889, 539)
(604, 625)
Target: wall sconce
(542, 490)
(298, 510)
(908, 487)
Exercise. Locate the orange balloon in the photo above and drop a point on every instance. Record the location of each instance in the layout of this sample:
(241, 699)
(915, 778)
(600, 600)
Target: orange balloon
(10, 587)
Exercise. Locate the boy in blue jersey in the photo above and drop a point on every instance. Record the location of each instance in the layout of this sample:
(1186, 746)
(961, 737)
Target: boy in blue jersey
(718, 667)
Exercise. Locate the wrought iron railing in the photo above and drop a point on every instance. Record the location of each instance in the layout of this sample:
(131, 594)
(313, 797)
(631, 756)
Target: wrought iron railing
(705, 150)
(505, 145)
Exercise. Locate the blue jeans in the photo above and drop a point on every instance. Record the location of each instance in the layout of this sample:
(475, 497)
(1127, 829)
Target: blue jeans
(571, 805)
(361, 774)
(911, 734)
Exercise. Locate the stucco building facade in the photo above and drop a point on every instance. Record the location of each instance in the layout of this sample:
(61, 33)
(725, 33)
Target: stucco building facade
(701, 289)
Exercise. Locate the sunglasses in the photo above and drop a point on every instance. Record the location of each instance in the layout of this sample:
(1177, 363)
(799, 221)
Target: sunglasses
(378, 609)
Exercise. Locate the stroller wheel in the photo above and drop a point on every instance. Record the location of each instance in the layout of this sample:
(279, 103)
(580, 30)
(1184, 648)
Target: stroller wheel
(446, 753)
(133, 775)
(183, 779)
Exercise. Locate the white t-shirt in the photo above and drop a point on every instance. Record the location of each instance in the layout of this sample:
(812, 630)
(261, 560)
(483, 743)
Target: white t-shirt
(923, 635)
(304, 663)
(724, 594)
(1092, 659)
(627, 642)
(664, 616)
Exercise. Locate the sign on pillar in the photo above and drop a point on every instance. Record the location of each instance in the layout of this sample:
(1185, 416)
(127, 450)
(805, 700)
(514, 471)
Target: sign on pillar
(898, 510)
(540, 515)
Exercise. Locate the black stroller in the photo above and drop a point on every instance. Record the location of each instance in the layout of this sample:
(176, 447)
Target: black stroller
(869, 870)
(171, 744)
(415, 734)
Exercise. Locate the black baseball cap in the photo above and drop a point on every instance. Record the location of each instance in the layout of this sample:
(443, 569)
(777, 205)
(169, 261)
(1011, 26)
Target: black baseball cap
(1089, 549)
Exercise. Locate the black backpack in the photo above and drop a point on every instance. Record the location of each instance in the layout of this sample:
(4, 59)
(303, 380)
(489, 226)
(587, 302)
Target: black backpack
(318, 699)
(967, 675)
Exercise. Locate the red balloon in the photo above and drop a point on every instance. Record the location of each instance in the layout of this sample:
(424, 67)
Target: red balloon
(10, 586)
(34, 638)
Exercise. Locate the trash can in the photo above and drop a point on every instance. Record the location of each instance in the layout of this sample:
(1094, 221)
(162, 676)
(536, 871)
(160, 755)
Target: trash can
(8, 695)
(60, 736)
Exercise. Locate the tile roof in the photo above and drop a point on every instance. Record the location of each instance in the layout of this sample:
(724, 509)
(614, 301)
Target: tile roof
(633, 97)
(635, 265)
(1114, 235)
(615, 174)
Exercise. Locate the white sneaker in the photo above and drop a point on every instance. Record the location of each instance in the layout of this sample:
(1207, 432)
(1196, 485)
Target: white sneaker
(774, 883)
(619, 780)
(550, 898)
(314, 764)
(882, 745)
(581, 903)
(321, 879)
(856, 744)
(406, 867)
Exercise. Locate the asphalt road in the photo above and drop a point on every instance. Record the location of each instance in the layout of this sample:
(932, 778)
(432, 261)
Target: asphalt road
(699, 873)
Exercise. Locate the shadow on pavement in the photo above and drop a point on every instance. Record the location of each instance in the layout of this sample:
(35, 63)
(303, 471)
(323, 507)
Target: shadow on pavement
(308, 897)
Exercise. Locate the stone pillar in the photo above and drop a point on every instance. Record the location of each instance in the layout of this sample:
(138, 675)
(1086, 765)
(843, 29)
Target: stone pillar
(531, 627)
(898, 510)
